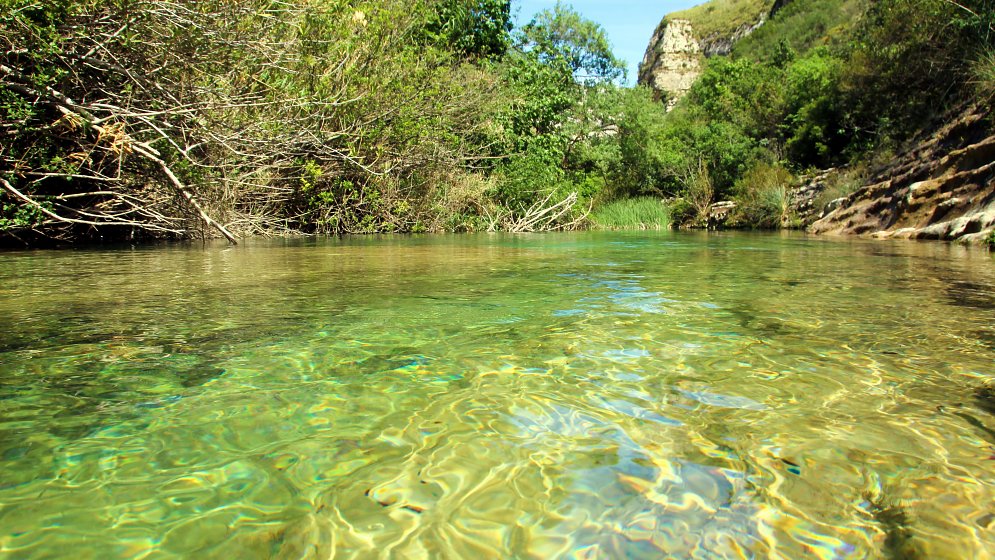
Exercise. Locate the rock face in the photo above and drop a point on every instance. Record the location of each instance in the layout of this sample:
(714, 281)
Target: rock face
(943, 188)
(673, 61)
(674, 57)
(721, 45)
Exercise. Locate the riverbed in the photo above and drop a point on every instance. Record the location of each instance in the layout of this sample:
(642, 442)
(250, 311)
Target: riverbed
(581, 395)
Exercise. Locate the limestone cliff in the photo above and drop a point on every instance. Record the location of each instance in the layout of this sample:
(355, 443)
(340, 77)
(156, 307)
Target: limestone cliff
(683, 40)
(941, 188)
(673, 61)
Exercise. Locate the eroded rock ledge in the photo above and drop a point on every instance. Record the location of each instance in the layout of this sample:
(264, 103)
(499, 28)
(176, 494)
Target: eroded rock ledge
(943, 188)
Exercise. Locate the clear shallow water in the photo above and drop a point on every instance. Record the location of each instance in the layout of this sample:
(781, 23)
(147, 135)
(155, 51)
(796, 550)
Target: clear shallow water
(560, 396)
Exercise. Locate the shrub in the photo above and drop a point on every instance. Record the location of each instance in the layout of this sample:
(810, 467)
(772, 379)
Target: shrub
(763, 198)
(699, 191)
(682, 212)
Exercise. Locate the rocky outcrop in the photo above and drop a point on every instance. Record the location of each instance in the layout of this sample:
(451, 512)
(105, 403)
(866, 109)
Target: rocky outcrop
(807, 198)
(674, 57)
(673, 61)
(719, 214)
(943, 188)
(721, 44)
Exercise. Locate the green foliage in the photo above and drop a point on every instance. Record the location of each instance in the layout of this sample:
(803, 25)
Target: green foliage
(566, 134)
(19, 216)
(561, 33)
(798, 27)
(356, 116)
(775, 99)
(763, 197)
(694, 137)
(840, 184)
(698, 191)
(641, 166)
(478, 29)
(813, 125)
(909, 61)
(528, 177)
(723, 17)
(639, 213)
(541, 93)
(982, 74)
(531, 129)
(682, 212)
(821, 84)
(747, 94)
(990, 240)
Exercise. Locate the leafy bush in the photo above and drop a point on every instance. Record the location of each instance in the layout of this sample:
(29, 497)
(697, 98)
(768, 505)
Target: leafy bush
(813, 129)
(478, 29)
(745, 94)
(682, 212)
(698, 192)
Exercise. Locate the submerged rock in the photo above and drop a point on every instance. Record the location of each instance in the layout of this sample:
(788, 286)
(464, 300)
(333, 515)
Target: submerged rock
(985, 396)
(896, 522)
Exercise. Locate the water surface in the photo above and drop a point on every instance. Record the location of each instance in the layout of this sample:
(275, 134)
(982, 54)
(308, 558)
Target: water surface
(585, 395)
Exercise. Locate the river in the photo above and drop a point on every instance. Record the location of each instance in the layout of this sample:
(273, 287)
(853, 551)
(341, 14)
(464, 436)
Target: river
(583, 395)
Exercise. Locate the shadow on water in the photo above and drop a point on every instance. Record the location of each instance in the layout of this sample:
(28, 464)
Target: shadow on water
(971, 294)
(895, 520)
(984, 397)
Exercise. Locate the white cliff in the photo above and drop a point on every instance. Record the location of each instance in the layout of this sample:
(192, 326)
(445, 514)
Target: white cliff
(673, 61)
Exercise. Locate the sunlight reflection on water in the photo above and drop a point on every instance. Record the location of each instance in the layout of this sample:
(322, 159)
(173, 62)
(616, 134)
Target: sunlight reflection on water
(574, 396)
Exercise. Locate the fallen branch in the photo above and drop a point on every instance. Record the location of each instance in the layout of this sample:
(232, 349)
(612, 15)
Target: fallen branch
(540, 213)
(187, 195)
(58, 218)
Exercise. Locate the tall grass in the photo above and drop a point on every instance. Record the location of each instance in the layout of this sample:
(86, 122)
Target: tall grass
(842, 184)
(632, 214)
(763, 198)
(983, 74)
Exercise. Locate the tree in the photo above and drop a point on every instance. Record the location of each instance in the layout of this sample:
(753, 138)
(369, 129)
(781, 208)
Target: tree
(477, 29)
(562, 33)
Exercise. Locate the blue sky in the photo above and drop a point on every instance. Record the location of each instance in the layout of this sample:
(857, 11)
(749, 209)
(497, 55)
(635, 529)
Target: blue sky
(628, 23)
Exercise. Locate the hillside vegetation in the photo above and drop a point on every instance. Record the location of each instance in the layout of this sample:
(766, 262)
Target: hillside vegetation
(801, 25)
(723, 18)
(824, 83)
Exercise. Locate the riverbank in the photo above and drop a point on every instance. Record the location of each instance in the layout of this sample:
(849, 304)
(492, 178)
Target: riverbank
(318, 118)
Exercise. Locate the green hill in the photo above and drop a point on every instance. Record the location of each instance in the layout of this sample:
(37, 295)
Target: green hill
(801, 25)
(720, 18)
